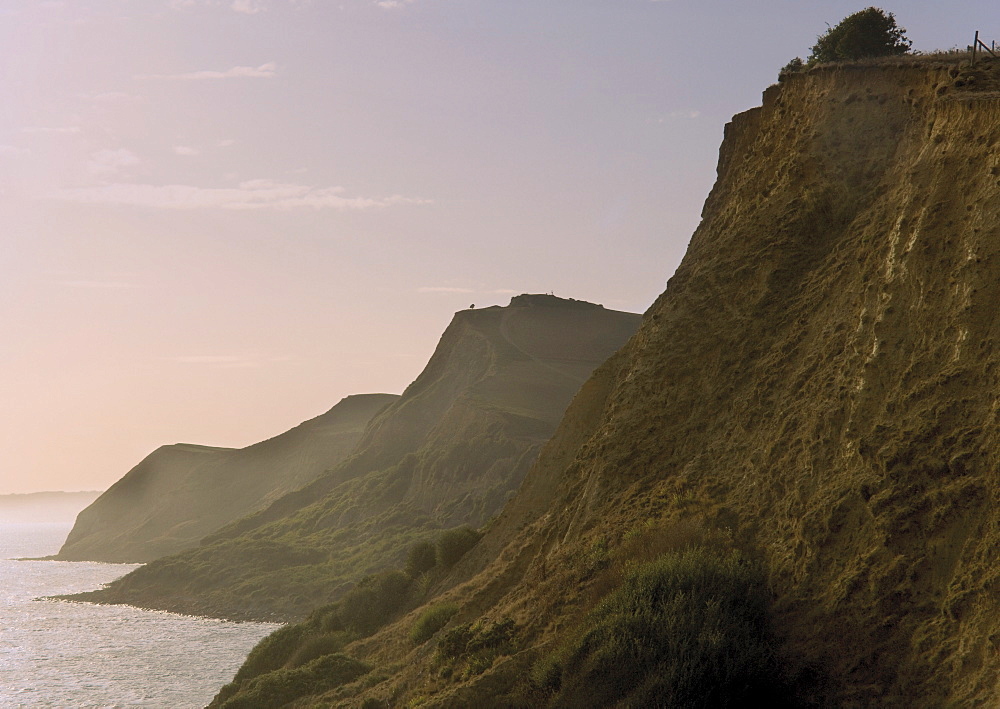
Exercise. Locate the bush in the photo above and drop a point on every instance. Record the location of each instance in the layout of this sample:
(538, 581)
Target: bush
(374, 601)
(317, 646)
(455, 642)
(272, 652)
(327, 619)
(275, 689)
(792, 67)
(431, 621)
(687, 630)
(869, 33)
(453, 544)
(469, 639)
(421, 558)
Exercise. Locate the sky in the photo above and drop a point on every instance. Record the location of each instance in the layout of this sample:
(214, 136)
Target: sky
(220, 217)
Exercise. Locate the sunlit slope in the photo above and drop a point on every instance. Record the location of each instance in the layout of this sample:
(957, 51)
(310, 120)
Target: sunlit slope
(816, 387)
(180, 493)
(450, 451)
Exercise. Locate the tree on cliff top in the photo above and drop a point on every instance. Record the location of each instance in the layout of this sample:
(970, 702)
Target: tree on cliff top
(870, 33)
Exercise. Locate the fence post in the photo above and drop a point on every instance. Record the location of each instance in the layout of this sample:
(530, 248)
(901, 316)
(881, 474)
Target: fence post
(975, 46)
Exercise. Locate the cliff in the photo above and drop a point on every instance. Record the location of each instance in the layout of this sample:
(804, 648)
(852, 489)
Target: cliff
(449, 452)
(180, 493)
(815, 388)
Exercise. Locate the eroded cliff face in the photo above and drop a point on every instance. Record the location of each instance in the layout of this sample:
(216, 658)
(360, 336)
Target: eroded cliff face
(820, 376)
(818, 382)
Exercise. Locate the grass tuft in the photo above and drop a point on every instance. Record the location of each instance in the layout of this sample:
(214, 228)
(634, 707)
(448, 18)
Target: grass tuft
(454, 543)
(431, 621)
(276, 689)
(689, 629)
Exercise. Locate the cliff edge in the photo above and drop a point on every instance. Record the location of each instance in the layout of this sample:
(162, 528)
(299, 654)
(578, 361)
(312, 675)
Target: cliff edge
(818, 380)
(816, 385)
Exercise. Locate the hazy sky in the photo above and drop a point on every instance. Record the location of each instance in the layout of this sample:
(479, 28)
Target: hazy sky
(219, 217)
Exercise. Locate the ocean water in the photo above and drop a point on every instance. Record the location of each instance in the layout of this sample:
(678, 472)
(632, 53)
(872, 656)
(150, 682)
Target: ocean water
(62, 654)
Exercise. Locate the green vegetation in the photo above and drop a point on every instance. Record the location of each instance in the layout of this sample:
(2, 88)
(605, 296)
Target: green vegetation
(284, 665)
(271, 653)
(277, 688)
(452, 545)
(288, 567)
(372, 602)
(431, 621)
(869, 33)
(472, 648)
(792, 67)
(421, 558)
(689, 629)
(317, 646)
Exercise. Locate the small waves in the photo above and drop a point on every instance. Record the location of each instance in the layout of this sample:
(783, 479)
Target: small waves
(65, 654)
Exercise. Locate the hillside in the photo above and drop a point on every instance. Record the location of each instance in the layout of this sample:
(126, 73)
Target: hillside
(449, 452)
(180, 493)
(814, 391)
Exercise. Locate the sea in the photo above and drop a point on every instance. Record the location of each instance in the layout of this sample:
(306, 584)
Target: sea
(80, 655)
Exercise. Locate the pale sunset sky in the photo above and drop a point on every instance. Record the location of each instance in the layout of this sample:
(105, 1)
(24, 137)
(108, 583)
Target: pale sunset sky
(220, 217)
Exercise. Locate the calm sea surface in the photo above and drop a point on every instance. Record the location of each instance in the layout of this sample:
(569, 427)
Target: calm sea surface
(59, 654)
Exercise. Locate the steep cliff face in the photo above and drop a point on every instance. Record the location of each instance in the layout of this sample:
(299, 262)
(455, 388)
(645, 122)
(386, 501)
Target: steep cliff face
(180, 493)
(816, 384)
(818, 376)
(450, 451)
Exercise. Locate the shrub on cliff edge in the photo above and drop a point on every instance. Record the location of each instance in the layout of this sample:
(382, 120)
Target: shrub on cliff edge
(869, 33)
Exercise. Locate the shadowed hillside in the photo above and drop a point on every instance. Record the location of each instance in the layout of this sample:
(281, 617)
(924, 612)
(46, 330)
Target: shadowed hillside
(180, 493)
(449, 452)
(812, 399)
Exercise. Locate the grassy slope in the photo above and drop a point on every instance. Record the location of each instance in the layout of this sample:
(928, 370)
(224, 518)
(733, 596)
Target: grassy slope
(180, 493)
(449, 452)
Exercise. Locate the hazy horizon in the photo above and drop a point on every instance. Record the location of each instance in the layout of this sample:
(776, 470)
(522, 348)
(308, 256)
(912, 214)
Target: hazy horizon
(45, 507)
(223, 217)
(47, 492)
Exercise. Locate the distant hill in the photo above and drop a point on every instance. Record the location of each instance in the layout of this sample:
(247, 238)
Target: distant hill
(44, 506)
(179, 493)
(449, 452)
